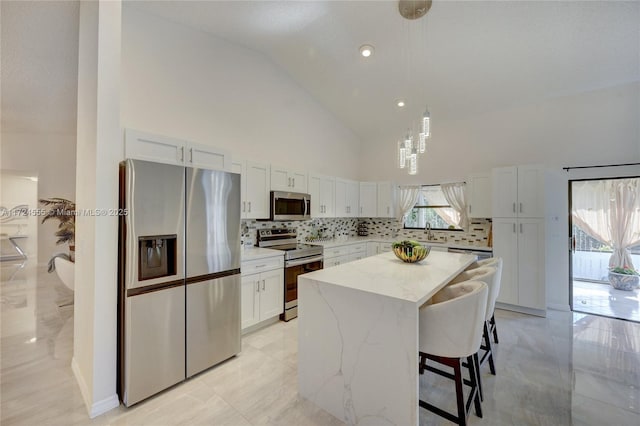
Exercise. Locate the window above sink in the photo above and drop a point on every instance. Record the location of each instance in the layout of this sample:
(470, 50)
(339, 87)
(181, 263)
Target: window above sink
(432, 207)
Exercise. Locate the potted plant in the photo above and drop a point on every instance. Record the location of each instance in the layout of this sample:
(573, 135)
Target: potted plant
(624, 278)
(64, 211)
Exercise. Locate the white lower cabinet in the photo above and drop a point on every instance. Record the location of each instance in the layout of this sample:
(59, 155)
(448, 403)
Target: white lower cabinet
(262, 294)
(520, 244)
(338, 255)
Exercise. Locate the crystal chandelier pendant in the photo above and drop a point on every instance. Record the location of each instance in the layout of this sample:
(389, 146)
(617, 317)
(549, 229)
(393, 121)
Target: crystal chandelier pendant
(402, 155)
(426, 124)
(413, 162)
(422, 143)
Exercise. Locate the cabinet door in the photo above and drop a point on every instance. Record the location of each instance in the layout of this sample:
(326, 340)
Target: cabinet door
(368, 199)
(505, 245)
(240, 167)
(341, 203)
(479, 187)
(504, 190)
(327, 195)
(156, 148)
(280, 180)
(299, 181)
(271, 294)
(385, 199)
(531, 264)
(249, 300)
(531, 191)
(207, 157)
(385, 247)
(353, 198)
(257, 190)
(372, 248)
(316, 199)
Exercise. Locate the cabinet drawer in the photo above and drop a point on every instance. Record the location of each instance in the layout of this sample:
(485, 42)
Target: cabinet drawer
(385, 247)
(336, 251)
(358, 248)
(260, 265)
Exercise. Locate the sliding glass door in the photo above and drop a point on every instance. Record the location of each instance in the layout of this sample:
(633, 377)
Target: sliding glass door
(605, 234)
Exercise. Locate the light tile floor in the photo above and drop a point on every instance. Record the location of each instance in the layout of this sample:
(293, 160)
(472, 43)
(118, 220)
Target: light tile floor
(602, 299)
(564, 369)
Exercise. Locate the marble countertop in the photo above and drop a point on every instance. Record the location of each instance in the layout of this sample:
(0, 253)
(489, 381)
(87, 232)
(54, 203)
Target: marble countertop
(336, 242)
(388, 276)
(254, 253)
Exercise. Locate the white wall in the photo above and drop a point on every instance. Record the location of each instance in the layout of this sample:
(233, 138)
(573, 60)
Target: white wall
(51, 157)
(99, 150)
(185, 83)
(598, 127)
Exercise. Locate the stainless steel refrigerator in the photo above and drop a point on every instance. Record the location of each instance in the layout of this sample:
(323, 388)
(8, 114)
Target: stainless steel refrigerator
(179, 289)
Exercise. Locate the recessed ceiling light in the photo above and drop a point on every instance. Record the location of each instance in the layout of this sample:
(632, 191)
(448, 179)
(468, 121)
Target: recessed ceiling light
(400, 103)
(366, 50)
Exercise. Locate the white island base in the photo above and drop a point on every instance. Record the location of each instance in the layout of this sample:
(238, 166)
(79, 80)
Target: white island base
(358, 335)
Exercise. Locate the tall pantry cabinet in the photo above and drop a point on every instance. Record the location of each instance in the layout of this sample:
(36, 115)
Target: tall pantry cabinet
(519, 236)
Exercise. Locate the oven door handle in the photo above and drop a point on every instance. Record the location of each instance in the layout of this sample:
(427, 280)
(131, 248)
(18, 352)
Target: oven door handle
(304, 261)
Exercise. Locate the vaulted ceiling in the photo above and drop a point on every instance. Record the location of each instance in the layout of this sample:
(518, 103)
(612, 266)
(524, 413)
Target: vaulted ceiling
(463, 58)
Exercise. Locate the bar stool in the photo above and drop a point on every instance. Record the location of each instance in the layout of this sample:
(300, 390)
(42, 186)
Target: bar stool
(451, 330)
(491, 276)
(495, 262)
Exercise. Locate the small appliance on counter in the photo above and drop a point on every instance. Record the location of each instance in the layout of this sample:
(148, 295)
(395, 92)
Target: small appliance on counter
(298, 259)
(363, 229)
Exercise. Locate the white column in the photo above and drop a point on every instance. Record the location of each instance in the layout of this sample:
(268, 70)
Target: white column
(99, 149)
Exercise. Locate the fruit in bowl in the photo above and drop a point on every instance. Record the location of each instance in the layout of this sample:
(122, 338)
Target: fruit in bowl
(410, 251)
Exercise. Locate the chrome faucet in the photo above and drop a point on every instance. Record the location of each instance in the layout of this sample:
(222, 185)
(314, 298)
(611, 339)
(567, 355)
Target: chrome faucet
(427, 230)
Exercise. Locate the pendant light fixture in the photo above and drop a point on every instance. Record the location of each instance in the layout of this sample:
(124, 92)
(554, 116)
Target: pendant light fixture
(409, 149)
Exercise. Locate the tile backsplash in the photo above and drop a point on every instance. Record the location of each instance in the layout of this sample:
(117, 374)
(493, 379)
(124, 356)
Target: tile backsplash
(383, 228)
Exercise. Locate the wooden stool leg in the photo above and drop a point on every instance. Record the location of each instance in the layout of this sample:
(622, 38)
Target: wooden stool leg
(494, 328)
(462, 412)
(486, 337)
(479, 380)
(475, 394)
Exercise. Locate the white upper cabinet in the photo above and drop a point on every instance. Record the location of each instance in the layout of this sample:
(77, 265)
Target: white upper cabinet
(518, 191)
(322, 191)
(206, 157)
(479, 195)
(386, 199)
(368, 199)
(284, 179)
(255, 188)
(161, 149)
(347, 198)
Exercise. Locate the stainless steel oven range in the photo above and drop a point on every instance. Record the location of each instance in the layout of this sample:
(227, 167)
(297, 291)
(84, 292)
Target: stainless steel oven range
(298, 259)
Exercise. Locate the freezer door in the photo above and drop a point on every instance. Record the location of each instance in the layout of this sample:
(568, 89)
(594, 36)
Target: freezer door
(154, 198)
(213, 322)
(154, 343)
(213, 221)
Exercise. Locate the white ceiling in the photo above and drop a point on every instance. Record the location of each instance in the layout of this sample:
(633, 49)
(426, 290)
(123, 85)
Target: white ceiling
(463, 58)
(39, 66)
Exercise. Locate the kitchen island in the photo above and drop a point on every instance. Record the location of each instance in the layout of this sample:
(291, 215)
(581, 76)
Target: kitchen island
(358, 335)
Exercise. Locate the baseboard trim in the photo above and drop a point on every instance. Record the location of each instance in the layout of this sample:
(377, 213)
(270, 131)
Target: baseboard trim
(260, 325)
(107, 404)
(522, 309)
(84, 390)
(94, 409)
(559, 307)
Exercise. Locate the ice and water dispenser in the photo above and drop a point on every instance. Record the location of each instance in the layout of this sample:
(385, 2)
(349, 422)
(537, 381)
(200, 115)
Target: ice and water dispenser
(157, 256)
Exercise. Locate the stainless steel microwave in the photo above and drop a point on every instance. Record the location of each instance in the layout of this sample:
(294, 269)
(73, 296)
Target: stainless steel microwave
(290, 206)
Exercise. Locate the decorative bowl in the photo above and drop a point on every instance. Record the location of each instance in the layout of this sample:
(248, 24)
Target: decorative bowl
(411, 254)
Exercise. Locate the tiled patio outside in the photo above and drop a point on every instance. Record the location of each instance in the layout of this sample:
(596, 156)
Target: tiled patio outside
(602, 299)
